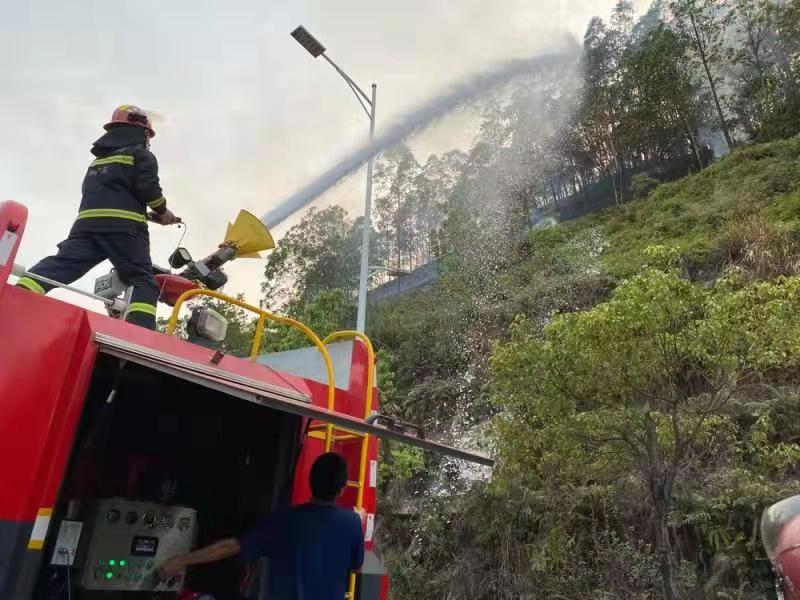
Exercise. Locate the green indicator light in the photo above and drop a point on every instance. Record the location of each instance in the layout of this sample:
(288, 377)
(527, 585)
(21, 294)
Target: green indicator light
(122, 563)
(112, 562)
(109, 575)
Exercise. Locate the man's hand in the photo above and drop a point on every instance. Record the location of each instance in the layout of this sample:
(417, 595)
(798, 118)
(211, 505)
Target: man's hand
(166, 218)
(172, 567)
(362, 514)
(218, 551)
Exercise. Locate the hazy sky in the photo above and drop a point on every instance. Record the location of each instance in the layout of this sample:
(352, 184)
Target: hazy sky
(247, 114)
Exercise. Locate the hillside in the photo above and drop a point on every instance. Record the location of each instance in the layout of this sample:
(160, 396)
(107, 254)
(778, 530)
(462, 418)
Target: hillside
(635, 372)
(639, 370)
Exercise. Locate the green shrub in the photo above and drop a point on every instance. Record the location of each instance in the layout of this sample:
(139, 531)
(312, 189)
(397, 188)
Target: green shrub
(641, 185)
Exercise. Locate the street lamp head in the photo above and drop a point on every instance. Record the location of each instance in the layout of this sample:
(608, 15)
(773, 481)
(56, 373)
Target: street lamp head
(308, 41)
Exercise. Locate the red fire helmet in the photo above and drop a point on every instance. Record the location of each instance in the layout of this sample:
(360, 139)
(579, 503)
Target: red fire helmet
(131, 115)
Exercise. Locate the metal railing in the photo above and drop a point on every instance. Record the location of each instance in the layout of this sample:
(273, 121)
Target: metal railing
(263, 317)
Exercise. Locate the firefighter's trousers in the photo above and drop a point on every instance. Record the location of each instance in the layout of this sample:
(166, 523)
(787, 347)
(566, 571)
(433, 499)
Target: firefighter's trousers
(80, 252)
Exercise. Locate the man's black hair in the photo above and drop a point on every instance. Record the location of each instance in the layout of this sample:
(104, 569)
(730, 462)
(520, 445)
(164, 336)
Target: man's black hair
(328, 477)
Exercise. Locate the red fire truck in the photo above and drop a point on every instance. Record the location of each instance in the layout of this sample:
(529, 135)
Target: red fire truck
(121, 446)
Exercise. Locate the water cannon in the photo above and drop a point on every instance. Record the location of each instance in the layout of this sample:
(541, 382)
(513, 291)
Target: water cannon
(245, 238)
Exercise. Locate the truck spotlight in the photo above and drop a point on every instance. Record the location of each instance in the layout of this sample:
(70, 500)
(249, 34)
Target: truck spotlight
(208, 324)
(180, 258)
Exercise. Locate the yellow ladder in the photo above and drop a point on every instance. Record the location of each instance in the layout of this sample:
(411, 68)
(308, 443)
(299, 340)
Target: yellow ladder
(338, 434)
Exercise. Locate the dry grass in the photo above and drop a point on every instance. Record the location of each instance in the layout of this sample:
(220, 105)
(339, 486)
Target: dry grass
(762, 248)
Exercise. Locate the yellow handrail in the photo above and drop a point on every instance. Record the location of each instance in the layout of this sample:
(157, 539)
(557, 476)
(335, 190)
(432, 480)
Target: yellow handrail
(263, 316)
(367, 402)
(329, 437)
(370, 352)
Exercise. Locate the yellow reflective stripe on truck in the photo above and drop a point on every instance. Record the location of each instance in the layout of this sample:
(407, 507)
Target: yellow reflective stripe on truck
(114, 213)
(40, 527)
(121, 159)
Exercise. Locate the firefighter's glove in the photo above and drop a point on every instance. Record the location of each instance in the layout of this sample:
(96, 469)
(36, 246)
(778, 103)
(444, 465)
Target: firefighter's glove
(165, 218)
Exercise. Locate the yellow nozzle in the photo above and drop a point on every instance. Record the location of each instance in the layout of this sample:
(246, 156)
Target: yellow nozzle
(249, 235)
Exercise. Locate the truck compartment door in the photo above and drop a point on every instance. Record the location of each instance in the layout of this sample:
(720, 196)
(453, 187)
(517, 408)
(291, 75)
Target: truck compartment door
(272, 396)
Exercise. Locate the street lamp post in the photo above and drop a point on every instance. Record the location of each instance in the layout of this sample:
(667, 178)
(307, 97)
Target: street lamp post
(316, 49)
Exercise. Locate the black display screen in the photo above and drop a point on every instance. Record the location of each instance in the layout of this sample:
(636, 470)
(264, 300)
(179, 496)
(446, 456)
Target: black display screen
(143, 545)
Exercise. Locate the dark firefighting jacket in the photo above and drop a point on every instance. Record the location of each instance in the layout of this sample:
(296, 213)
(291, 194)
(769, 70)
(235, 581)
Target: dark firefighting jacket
(120, 184)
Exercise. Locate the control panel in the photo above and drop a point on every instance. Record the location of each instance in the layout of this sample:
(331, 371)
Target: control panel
(129, 540)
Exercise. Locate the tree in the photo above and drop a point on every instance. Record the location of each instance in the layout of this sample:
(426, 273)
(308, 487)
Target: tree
(531, 168)
(703, 24)
(320, 253)
(755, 25)
(665, 104)
(601, 110)
(395, 197)
(652, 18)
(434, 191)
(643, 389)
(768, 84)
(412, 201)
(326, 312)
(789, 29)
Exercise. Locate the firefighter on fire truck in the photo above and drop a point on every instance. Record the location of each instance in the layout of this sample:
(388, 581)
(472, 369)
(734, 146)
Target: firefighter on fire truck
(120, 186)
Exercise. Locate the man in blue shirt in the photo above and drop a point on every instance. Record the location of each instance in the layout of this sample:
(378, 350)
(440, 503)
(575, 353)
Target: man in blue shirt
(312, 547)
